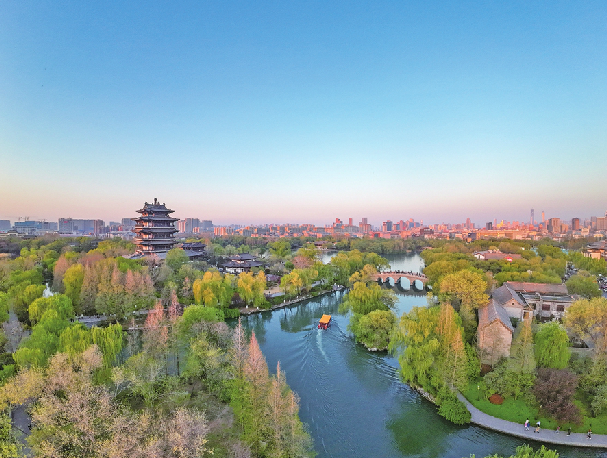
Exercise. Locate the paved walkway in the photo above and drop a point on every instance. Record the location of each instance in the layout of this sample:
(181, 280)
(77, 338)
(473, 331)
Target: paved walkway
(545, 435)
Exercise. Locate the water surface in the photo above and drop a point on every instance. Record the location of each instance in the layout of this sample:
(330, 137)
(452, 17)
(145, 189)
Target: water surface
(352, 400)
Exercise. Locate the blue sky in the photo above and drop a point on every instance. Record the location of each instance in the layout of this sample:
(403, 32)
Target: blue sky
(248, 112)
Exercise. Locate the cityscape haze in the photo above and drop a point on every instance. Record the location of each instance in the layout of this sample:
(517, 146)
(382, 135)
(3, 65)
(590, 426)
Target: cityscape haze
(251, 114)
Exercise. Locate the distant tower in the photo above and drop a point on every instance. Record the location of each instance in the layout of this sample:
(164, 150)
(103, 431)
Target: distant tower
(543, 217)
(532, 217)
(155, 229)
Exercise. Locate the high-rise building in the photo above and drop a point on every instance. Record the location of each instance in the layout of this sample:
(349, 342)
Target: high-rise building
(82, 226)
(575, 224)
(532, 221)
(387, 226)
(127, 224)
(543, 217)
(155, 229)
(350, 223)
(468, 224)
(489, 226)
(190, 224)
(66, 225)
(5, 225)
(554, 225)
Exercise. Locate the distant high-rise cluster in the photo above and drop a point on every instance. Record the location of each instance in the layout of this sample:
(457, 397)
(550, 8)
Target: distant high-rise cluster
(532, 220)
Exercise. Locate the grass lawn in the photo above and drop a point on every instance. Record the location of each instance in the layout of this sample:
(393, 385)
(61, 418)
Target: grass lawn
(518, 411)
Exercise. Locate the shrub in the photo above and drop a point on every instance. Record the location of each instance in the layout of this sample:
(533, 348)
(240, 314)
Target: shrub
(452, 408)
(496, 399)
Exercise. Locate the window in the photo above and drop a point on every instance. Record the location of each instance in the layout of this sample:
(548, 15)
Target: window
(560, 307)
(546, 307)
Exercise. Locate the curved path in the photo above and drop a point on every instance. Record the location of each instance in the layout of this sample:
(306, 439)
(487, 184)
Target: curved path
(546, 435)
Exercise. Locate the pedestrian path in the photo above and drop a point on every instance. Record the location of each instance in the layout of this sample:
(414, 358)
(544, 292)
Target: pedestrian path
(545, 435)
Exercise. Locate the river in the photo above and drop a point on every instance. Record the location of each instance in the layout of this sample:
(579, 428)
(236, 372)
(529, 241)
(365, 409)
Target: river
(352, 399)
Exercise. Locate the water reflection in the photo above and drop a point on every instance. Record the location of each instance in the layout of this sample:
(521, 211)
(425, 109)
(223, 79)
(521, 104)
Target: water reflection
(296, 318)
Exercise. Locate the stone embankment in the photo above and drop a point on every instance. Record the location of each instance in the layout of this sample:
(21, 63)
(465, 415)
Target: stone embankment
(251, 310)
(545, 435)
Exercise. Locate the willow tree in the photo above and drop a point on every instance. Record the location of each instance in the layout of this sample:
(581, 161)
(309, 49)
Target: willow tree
(552, 346)
(466, 288)
(72, 282)
(416, 342)
(363, 298)
(453, 360)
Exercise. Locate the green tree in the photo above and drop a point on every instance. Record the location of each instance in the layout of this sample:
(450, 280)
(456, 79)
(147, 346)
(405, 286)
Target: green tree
(467, 289)
(60, 303)
(9, 447)
(4, 307)
(23, 295)
(176, 258)
(363, 298)
(72, 281)
(291, 283)
(373, 329)
(587, 318)
(583, 286)
(515, 376)
(280, 249)
(526, 451)
(453, 360)
(552, 346)
(416, 344)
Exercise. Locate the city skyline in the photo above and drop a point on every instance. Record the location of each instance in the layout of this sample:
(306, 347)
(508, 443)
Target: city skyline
(303, 112)
(322, 223)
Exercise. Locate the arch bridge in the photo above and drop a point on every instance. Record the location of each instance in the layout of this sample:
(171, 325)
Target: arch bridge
(406, 280)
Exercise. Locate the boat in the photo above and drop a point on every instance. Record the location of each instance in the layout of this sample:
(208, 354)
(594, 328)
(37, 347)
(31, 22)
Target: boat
(324, 322)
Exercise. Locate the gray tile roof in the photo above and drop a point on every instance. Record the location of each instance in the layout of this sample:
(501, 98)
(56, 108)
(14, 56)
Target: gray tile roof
(504, 293)
(492, 312)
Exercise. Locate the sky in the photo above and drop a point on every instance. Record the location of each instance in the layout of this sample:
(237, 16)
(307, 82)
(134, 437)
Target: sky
(304, 111)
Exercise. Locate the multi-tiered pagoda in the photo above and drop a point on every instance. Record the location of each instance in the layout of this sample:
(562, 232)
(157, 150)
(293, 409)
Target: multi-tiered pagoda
(155, 229)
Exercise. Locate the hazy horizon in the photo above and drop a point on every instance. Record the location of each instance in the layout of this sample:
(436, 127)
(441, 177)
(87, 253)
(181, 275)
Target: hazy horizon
(304, 111)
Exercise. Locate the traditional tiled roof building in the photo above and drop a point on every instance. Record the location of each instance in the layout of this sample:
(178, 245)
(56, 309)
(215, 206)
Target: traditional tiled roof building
(547, 300)
(240, 263)
(521, 301)
(155, 229)
(494, 332)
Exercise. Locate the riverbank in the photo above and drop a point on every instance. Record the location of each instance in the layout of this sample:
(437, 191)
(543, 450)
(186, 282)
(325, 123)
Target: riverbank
(249, 311)
(546, 436)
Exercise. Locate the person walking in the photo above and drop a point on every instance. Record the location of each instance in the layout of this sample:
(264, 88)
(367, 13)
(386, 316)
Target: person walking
(569, 431)
(527, 424)
(589, 435)
(537, 427)
(558, 429)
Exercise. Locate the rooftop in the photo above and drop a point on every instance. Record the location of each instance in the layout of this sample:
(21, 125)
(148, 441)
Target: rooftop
(494, 312)
(542, 288)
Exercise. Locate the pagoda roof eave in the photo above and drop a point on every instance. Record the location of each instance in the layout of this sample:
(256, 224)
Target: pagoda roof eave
(155, 209)
(155, 229)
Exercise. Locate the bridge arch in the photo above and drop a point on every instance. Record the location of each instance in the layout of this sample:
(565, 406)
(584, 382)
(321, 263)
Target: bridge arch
(404, 283)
